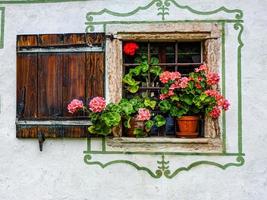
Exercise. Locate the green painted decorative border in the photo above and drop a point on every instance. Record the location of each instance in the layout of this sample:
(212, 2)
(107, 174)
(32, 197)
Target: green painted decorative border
(163, 12)
(2, 19)
(163, 166)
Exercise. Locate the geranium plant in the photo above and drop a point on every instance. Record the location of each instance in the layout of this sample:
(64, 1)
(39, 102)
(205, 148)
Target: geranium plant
(103, 117)
(192, 95)
(144, 74)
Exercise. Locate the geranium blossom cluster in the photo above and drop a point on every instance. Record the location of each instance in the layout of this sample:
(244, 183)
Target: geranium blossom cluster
(212, 78)
(176, 82)
(201, 68)
(130, 48)
(167, 76)
(201, 82)
(97, 104)
(143, 114)
(75, 105)
(221, 102)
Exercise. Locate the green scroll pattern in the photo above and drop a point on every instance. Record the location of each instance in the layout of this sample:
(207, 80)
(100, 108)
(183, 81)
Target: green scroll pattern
(163, 166)
(162, 10)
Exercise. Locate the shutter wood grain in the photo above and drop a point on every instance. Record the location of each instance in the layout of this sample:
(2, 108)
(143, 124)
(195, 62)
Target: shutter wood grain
(50, 69)
(95, 75)
(27, 86)
(74, 79)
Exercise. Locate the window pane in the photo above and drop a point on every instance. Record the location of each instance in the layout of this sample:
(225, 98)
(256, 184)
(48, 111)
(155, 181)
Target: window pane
(164, 51)
(189, 52)
(186, 69)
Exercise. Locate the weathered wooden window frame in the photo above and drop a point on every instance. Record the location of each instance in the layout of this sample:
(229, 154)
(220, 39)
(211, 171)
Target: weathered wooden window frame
(208, 33)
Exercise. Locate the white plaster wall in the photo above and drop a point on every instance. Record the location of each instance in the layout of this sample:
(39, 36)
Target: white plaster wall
(59, 172)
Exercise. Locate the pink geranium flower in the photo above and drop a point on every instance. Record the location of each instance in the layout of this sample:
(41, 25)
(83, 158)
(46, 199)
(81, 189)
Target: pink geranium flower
(163, 96)
(213, 78)
(183, 82)
(143, 114)
(75, 105)
(165, 77)
(215, 113)
(97, 104)
(201, 68)
(174, 76)
(224, 103)
(215, 94)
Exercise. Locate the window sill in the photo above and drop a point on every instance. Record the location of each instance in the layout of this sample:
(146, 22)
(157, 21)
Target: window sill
(164, 144)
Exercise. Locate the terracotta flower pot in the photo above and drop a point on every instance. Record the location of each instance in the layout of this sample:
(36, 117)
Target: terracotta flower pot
(135, 124)
(188, 126)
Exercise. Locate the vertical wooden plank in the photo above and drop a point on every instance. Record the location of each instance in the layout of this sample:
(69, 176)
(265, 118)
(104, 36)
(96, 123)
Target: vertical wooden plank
(74, 79)
(27, 86)
(95, 79)
(50, 85)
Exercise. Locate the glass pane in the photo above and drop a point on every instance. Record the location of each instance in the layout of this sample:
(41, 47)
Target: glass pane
(189, 52)
(186, 69)
(165, 52)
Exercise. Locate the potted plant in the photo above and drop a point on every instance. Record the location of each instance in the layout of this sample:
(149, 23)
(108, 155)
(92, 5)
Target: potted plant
(104, 118)
(187, 98)
(137, 115)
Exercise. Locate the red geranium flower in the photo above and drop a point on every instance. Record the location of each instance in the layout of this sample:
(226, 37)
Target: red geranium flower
(130, 48)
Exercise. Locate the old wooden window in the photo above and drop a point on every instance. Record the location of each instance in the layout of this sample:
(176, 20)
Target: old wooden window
(208, 34)
(51, 71)
(181, 56)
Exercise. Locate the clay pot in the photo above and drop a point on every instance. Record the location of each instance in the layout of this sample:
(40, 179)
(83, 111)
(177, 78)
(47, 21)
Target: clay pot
(135, 124)
(188, 126)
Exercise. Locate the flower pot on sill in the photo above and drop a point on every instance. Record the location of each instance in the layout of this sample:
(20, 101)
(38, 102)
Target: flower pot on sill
(188, 126)
(134, 123)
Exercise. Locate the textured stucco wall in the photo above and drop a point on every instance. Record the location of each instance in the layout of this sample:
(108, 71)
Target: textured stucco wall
(59, 171)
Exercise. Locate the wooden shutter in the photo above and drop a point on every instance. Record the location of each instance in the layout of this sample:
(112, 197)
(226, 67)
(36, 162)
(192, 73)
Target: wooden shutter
(51, 71)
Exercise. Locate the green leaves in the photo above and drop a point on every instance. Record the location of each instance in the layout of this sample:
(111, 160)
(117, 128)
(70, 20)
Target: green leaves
(138, 132)
(159, 120)
(178, 112)
(156, 70)
(148, 125)
(111, 118)
(154, 61)
(132, 84)
(136, 71)
(165, 106)
(188, 99)
(133, 88)
(128, 79)
(150, 103)
(137, 102)
(127, 108)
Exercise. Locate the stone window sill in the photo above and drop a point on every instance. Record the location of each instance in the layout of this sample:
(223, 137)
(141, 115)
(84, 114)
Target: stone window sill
(165, 144)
